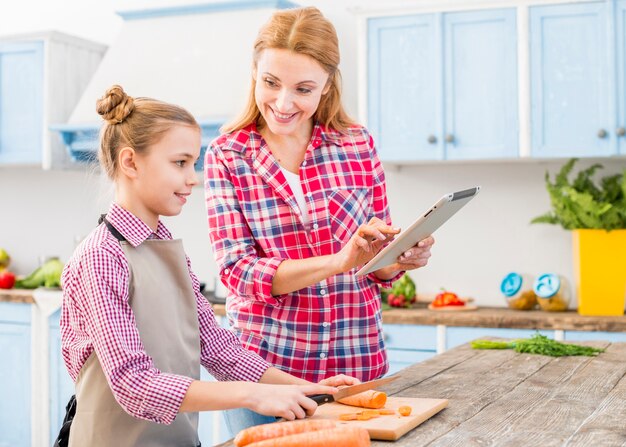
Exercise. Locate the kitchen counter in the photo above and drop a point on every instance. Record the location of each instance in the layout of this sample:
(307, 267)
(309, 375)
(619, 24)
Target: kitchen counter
(500, 397)
(497, 317)
(419, 314)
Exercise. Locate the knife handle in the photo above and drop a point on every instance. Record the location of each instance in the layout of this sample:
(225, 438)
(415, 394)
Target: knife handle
(321, 398)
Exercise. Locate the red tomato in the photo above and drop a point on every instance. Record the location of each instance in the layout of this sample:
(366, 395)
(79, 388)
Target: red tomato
(7, 279)
(447, 299)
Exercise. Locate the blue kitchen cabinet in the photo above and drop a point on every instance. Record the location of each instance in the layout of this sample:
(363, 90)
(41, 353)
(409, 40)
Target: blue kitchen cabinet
(15, 320)
(571, 82)
(21, 102)
(456, 336)
(443, 86)
(620, 46)
(61, 384)
(409, 344)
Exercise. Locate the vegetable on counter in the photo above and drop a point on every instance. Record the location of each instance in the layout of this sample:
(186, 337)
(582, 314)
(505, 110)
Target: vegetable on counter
(366, 399)
(48, 275)
(538, 344)
(7, 279)
(447, 298)
(302, 433)
(402, 293)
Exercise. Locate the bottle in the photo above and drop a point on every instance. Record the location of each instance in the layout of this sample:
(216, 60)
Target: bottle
(552, 291)
(518, 291)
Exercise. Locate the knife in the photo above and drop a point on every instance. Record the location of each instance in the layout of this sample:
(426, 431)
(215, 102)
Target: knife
(350, 390)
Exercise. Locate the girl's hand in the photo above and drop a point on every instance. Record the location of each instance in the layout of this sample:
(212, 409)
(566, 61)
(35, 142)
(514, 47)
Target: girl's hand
(415, 257)
(364, 244)
(339, 380)
(287, 401)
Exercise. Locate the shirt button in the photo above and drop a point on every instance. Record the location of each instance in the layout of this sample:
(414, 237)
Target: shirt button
(304, 163)
(309, 194)
(325, 324)
(322, 355)
(226, 271)
(315, 226)
(323, 292)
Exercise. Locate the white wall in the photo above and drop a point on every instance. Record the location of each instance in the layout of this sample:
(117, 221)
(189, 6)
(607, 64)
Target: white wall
(44, 212)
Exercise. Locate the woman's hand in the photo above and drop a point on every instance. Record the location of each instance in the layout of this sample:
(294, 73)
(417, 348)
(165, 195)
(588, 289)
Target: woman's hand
(287, 401)
(339, 380)
(415, 257)
(364, 244)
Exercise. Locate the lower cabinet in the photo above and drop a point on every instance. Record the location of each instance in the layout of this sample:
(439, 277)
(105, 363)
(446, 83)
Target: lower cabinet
(408, 344)
(15, 374)
(61, 384)
(613, 337)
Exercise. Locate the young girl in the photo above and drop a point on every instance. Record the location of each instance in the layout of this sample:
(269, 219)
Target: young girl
(135, 327)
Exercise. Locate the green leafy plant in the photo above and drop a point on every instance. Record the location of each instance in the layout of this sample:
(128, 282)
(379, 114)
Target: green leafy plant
(582, 204)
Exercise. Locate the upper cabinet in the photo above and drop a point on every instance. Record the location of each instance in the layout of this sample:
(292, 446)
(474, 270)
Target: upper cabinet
(444, 85)
(572, 81)
(540, 79)
(41, 78)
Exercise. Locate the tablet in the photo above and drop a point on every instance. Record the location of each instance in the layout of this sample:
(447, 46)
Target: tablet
(424, 226)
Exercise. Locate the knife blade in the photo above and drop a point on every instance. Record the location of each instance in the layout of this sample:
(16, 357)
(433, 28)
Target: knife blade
(350, 390)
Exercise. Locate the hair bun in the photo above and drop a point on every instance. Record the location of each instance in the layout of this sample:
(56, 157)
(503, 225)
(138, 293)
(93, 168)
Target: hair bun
(115, 105)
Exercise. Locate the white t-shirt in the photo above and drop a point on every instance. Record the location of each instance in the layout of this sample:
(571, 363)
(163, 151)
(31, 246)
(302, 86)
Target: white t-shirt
(296, 187)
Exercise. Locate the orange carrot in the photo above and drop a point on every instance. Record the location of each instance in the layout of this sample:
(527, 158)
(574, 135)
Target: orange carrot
(405, 410)
(363, 417)
(384, 412)
(372, 413)
(340, 436)
(348, 417)
(366, 399)
(278, 429)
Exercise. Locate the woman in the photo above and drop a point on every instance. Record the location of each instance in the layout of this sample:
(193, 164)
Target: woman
(296, 201)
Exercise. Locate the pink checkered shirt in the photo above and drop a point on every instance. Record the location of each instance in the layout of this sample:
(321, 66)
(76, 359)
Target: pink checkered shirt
(96, 315)
(333, 326)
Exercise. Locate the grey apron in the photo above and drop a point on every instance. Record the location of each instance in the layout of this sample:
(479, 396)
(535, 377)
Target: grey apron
(164, 305)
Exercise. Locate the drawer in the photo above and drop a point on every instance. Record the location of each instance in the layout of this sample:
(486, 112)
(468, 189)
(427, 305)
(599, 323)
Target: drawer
(407, 336)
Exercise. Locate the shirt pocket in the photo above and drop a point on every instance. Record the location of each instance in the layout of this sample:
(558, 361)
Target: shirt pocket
(347, 209)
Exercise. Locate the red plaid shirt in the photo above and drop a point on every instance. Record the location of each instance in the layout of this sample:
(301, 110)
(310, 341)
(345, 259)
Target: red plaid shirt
(255, 223)
(96, 316)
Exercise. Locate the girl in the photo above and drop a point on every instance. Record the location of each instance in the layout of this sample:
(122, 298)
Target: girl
(296, 200)
(135, 328)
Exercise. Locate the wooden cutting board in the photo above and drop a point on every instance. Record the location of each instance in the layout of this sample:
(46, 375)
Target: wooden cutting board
(386, 428)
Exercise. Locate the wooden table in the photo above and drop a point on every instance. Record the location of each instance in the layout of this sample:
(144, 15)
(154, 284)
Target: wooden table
(499, 397)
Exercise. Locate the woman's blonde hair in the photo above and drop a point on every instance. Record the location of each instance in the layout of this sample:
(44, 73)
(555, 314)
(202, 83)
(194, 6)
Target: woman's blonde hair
(134, 122)
(303, 31)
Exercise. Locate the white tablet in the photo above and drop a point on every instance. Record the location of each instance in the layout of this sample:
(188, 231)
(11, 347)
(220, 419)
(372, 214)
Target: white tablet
(424, 226)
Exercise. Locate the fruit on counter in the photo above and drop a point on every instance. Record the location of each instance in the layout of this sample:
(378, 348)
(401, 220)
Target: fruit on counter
(7, 279)
(447, 298)
(402, 294)
(5, 259)
(48, 275)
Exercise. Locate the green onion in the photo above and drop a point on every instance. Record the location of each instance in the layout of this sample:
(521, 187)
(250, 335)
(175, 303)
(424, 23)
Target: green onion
(538, 344)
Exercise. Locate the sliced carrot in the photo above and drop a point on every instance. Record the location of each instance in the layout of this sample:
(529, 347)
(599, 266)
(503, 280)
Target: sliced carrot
(363, 417)
(366, 399)
(384, 412)
(278, 429)
(341, 436)
(405, 410)
(372, 413)
(348, 417)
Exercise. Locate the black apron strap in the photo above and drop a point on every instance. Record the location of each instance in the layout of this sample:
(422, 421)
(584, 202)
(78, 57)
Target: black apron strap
(116, 234)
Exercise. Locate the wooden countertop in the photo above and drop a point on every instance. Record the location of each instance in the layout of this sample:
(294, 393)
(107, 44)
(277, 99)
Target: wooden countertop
(497, 317)
(500, 397)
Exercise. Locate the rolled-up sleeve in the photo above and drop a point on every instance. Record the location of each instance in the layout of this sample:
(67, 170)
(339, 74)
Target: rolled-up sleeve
(242, 270)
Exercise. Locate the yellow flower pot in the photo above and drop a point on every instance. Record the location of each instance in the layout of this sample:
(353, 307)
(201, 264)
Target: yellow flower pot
(600, 271)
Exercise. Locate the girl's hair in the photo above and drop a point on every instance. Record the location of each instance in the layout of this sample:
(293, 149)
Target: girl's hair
(303, 31)
(134, 122)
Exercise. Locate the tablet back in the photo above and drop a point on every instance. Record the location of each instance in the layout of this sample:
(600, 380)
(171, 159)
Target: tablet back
(424, 226)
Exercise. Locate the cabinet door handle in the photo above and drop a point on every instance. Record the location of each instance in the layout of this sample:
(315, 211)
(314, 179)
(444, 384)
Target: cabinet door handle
(602, 133)
(449, 138)
(620, 131)
(432, 139)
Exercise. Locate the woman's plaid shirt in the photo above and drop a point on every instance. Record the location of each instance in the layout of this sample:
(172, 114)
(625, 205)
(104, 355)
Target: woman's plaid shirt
(333, 326)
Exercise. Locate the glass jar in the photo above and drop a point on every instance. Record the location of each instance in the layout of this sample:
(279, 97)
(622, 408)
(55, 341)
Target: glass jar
(553, 293)
(518, 291)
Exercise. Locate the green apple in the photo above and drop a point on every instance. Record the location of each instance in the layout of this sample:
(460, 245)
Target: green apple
(5, 259)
